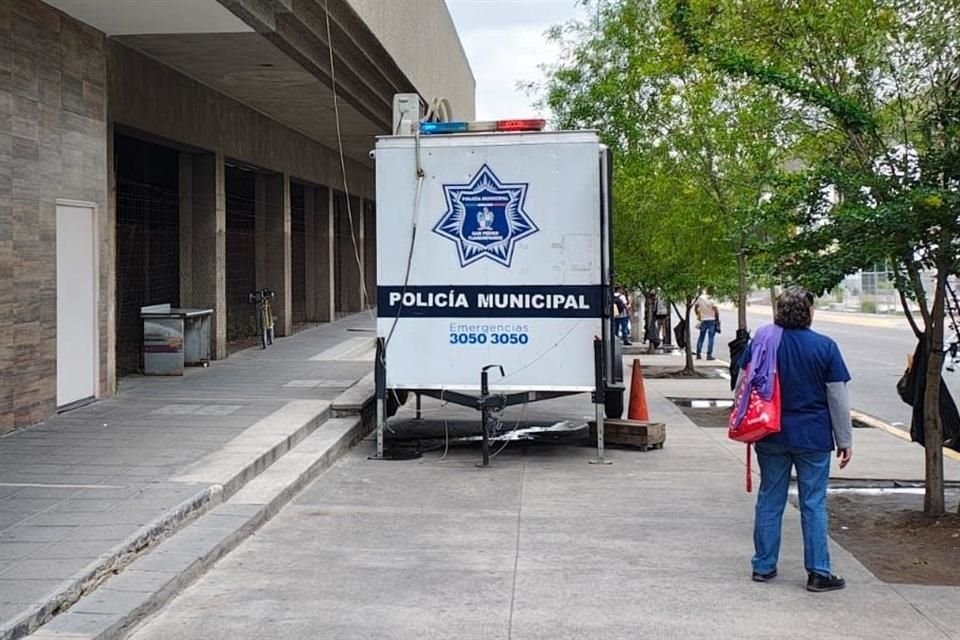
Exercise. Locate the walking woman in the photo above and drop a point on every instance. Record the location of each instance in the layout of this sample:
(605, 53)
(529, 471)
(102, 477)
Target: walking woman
(814, 420)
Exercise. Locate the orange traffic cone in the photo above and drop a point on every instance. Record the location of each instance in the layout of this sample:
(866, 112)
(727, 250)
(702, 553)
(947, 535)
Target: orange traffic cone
(638, 395)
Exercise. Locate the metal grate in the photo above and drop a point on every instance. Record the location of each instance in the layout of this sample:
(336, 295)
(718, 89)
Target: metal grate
(148, 231)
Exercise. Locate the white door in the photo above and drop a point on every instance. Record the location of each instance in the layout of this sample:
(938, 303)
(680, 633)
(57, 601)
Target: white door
(76, 303)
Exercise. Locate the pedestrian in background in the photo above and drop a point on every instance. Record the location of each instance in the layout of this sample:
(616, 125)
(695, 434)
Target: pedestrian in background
(814, 420)
(708, 318)
(663, 317)
(621, 305)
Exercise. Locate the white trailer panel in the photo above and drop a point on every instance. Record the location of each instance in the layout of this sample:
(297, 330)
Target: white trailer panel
(506, 266)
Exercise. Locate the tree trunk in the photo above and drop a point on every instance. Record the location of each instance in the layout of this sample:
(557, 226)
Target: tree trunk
(933, 498)
(688, 350)
(741, 291)
(773, 302)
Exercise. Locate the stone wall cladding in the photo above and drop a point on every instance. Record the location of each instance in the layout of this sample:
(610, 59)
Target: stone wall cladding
(52, 145)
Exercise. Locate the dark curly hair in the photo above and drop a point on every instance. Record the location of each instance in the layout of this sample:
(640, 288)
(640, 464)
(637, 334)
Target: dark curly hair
(794, 308)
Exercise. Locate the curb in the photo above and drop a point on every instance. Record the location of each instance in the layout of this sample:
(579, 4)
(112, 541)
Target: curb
(88, 580)
(152, 580)
(355, 399)
(876, 423)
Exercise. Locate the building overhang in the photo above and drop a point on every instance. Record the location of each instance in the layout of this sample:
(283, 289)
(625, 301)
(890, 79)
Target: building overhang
(271, 55)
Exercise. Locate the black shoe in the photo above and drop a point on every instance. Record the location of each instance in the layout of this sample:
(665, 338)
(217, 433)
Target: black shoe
(819, 583)
(710, 358)
(698, 357)
(764, 577)
(627, 343)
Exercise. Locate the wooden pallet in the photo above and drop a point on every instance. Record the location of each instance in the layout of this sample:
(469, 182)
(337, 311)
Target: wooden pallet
(632, 433)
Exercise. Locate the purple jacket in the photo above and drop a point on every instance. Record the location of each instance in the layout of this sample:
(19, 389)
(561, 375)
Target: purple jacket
(762, 366)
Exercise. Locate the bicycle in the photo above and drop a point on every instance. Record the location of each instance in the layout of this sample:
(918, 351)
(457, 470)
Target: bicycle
(262, 299)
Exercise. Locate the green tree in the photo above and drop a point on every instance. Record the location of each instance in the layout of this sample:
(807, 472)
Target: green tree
(694, 151)
(675, 235)
(876, 85)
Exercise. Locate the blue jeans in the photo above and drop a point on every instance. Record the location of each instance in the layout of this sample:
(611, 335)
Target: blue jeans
(623, 328)
(813, 473)
(708, 329)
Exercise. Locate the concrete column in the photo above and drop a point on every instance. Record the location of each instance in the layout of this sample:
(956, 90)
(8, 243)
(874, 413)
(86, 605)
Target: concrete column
(273, 246)
(331, 248)
(320, 246)
(312, 273)
(355, 260)
(108, 264)
(203, 233)
(370, 250)
(358, 217)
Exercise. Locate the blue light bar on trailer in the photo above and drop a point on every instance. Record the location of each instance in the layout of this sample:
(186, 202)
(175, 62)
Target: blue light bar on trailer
(442, 127)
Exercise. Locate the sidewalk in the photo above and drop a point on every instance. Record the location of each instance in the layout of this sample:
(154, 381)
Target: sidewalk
(657, 542)
(86, 492)
(540, 545)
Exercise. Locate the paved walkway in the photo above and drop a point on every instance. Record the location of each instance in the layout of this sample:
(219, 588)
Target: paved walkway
(87, 489)
(541, 545)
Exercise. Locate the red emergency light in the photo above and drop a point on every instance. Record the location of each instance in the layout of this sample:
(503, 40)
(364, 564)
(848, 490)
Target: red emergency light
(528, 124)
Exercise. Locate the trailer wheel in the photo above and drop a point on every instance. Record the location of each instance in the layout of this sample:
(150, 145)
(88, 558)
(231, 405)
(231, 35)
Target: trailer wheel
(613, 403)
(396, 398)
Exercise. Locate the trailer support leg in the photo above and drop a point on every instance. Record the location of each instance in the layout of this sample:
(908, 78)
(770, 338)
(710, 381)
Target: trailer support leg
(484, 417)
(598, 397)
(485, 404)
(380, 379)
(418, 406)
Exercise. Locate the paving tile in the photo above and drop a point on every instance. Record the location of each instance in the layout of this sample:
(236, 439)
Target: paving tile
(10, 609)
(20, 550)
(107, 600)
(7, 491)
(24, 590)
(43, 569)
(112, 533)
(29, 533)
(134, 579)
(75, 626)
(73, 549)
(59, 519)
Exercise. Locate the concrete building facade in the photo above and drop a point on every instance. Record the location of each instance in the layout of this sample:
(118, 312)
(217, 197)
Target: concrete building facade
(188, 152)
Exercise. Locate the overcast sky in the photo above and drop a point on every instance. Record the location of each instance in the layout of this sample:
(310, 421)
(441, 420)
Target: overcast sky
(505, 42)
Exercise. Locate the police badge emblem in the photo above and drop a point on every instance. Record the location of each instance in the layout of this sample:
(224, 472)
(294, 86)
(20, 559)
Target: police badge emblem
(485, 218)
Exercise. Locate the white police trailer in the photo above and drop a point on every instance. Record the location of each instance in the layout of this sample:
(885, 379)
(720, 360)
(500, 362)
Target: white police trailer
(493, 256)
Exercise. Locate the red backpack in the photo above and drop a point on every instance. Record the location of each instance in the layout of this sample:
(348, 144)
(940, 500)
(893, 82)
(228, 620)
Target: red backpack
(762, 417)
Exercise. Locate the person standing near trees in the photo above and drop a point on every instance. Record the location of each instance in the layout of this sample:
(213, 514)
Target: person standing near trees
(663, 317)
(708, 318)
(621, 305)
(814, 419)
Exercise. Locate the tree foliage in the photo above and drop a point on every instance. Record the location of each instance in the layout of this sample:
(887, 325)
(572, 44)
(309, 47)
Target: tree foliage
(876, 86)
(693, 150)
